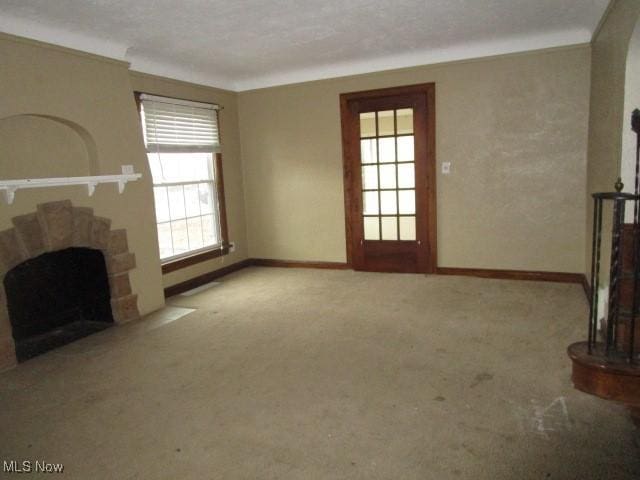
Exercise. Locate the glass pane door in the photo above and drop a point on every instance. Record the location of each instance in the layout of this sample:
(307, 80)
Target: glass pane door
(388, 175)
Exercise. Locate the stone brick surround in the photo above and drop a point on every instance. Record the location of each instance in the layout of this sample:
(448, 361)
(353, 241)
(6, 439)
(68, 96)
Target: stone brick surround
(56, 226)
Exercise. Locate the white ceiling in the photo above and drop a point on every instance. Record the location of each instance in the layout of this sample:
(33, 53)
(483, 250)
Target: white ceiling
(245, 44)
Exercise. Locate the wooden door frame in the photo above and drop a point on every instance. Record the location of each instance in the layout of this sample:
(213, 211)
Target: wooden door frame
(351, 197)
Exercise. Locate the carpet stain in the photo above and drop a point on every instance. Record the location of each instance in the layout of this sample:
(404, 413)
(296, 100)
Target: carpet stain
(480, 378)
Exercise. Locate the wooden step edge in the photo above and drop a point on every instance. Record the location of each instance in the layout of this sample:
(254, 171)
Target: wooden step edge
(596, 375)
(579, 352)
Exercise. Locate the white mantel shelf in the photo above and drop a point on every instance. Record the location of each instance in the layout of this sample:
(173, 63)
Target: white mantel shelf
(10, 187)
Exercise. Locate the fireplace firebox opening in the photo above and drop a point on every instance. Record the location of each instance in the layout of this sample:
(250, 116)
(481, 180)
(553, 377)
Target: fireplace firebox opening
(56, 298)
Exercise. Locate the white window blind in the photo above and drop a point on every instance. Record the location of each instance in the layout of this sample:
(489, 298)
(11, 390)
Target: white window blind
(172, 125)
(182, 141)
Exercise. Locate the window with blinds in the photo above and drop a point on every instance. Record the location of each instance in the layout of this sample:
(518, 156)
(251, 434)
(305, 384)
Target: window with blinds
(183, 147)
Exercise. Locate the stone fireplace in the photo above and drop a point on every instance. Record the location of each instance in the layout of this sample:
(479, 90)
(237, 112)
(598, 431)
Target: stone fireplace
(70, 231)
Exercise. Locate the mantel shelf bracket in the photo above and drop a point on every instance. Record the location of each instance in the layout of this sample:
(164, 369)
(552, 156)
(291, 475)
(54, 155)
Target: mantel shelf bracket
(9, 194)
(10, 187)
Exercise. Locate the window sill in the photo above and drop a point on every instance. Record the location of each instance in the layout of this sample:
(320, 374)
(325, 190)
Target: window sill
(173, 265)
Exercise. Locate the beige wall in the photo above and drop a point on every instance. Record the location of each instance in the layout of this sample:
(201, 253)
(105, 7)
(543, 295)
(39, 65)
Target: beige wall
(608, 65)
(231, 164)
(95, 95)
(514, 129)
(631, 102)
(65, 113)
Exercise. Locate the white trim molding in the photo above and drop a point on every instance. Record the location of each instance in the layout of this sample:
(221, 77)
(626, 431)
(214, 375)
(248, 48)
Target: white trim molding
(187, 73)
(421, 58)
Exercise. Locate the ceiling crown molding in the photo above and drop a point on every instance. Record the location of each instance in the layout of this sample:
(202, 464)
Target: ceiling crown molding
(421, 58)
(62, 38)
(178, 72)
(119, 51)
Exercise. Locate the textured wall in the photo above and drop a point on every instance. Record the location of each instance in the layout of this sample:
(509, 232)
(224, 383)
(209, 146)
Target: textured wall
(65, 113)
(95, 94)
(231, 165)
(631, 102)
(513, 127)
(606, 117)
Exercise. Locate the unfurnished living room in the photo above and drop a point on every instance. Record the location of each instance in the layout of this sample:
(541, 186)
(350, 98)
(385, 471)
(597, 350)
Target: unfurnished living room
(288, 239)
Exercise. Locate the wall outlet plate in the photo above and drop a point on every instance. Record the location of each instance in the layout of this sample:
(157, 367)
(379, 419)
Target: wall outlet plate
(127, 169)
(232, 247)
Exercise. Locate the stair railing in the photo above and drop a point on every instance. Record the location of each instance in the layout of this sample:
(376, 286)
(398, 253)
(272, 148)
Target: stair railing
(617, 338)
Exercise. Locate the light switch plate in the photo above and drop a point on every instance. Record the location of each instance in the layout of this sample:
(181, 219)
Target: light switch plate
(446, 168)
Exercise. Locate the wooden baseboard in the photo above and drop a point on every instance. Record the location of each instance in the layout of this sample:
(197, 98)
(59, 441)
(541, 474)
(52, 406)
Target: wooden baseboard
(262, 262)
(206, 278)
(268, 262)
(561, 277)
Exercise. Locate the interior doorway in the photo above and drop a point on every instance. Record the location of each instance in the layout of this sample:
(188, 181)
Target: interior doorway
(388, 140)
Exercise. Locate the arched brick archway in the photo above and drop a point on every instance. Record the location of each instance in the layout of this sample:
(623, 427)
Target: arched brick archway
(56, 226)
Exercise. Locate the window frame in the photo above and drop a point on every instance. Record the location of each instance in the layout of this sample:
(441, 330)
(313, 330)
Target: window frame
(206, 253)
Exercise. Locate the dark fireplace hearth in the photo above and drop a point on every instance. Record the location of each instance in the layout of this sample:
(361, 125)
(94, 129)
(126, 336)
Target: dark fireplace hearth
(56, 298)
